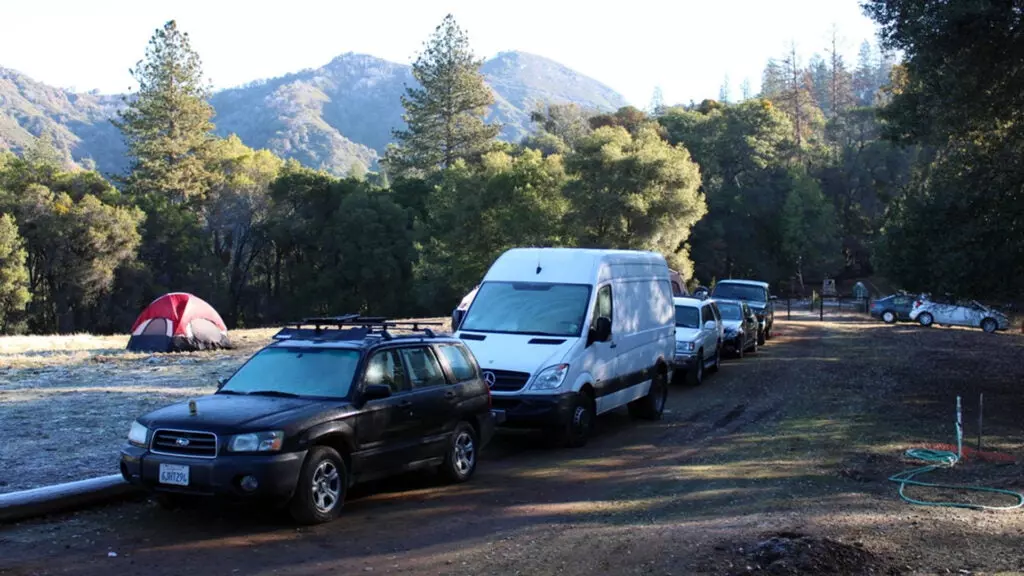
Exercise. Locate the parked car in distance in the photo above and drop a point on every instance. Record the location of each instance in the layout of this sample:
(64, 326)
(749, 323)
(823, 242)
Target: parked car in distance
(970, 313)
(757, 295)
(698, 339)
(740, 327)
(565, 334)
(893, 308)
(329, 403)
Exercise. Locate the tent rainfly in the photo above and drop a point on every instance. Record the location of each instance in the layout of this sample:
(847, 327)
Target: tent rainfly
(178, 322)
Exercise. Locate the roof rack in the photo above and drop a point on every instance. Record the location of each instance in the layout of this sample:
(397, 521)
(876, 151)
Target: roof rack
(350, 327)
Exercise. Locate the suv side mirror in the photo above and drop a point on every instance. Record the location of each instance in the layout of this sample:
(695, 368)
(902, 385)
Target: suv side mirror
(601, 332)
(710, 325)
(376, 392)
(221, 382)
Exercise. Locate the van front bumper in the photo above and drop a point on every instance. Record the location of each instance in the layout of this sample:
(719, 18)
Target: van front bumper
(534, 410)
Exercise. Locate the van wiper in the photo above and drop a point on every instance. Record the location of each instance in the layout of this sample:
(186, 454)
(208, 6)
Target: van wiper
(276, 393)
(235, 392)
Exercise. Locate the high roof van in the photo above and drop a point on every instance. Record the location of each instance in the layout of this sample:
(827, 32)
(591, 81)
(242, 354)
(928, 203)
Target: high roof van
(564, 334)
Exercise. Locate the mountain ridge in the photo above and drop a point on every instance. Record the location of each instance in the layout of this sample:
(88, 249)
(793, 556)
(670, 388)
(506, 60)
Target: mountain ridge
(331, 117)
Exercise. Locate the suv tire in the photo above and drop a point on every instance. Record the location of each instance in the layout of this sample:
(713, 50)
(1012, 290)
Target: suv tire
(323, 482)
(718, 359)
(695, 375)
(461, 455)
(651, 406)
(761, 337)
(989, 325)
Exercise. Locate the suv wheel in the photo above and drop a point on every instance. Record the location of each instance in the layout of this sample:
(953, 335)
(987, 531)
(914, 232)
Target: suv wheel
(718, 358)
(460, 459)
(651, 406)
(989, 325)
(696, 374)
(323, 482)
(761, 338)
(576, 431)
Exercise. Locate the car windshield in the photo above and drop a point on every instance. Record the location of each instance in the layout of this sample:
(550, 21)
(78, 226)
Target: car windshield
(730, 311)
(687, 317)
(316, 372)
(740, 292)
(528, 308)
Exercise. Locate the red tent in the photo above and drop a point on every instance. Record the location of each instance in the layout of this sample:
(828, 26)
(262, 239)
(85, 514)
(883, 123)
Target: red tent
(178, 322)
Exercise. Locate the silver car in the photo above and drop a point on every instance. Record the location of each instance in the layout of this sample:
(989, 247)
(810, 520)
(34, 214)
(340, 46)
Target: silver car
(972, 314)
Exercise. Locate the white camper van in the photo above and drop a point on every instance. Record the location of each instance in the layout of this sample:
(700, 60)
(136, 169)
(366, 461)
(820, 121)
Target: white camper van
(565, 334)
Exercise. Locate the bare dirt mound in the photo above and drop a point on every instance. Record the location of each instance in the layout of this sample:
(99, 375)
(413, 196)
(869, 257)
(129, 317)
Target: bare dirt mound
(791, 554)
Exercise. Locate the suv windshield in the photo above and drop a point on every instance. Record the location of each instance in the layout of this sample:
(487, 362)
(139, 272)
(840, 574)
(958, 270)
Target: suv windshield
(320, 372)
(687, 317)
(739, 292)
(528, 308)
(730, 311)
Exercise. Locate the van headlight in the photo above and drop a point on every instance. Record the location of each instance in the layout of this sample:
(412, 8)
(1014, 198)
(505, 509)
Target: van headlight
(257, 442)
(550, 377)
(138, 435)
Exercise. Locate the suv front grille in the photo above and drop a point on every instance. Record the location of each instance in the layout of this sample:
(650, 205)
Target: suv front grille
(506, 380)
(184, 443)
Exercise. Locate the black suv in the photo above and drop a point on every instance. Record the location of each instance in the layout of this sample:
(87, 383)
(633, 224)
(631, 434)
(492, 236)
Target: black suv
(331, 402)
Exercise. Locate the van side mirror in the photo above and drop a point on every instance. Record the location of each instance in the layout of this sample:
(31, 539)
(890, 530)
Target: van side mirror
(376, 392)
(601, 332)
(710, 325)
(457, 316)
(221, 382)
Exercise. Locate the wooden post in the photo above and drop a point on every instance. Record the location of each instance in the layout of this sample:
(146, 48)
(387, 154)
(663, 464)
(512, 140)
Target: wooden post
(981, 408)
(788, 314)
(821, 308)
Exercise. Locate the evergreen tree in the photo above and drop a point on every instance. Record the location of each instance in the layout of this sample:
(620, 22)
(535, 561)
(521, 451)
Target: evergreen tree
(166, 125)
(14, 294)
(840, 83)
(657, 107)
(445, 113)
(865, 75)
(725, 91)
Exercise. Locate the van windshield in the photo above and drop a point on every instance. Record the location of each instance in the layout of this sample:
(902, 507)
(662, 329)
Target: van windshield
(746, 292)
(529, 308)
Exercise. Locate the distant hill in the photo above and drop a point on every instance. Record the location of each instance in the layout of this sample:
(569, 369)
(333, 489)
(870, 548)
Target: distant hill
(332, 117)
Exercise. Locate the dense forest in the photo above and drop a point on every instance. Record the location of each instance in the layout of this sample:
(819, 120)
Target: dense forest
(910, 169)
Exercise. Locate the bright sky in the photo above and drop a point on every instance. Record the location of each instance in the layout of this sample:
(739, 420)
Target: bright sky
(685, 46)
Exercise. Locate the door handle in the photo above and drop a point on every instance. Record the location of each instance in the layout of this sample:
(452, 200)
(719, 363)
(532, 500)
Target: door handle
(449, 394)
(613, 345)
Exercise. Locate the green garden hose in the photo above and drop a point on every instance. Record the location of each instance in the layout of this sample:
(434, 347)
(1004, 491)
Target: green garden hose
(947, 459)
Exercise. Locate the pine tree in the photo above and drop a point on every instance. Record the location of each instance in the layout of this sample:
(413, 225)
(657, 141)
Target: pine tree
(864, 76)
(166, 125)
(725, 91)
(745, 91)
(445, 113)
(657, 107)
(840, 79)
(14, 294)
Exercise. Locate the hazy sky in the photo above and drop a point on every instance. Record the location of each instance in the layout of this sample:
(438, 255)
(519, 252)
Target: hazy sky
(685, 46)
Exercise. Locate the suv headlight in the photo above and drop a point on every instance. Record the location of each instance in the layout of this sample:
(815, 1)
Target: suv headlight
(550, 377)
(685, 346)
(138, 435)
(257, 442)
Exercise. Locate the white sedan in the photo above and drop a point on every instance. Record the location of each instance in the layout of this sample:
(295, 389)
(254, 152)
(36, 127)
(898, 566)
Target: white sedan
(972, 314)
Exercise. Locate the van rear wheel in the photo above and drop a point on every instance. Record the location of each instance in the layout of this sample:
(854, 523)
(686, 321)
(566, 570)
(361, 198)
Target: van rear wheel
(651, 406)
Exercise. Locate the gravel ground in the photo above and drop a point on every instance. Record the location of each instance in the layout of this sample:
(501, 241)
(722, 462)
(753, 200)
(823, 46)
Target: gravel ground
(776, 465)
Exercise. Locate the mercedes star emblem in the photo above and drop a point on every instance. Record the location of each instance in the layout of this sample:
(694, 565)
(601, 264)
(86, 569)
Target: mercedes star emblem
(489, 377)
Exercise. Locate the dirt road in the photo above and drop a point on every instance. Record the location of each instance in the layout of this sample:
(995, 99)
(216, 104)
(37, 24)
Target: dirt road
(794, 443)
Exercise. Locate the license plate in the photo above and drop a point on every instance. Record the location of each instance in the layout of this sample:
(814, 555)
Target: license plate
(176, 474)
